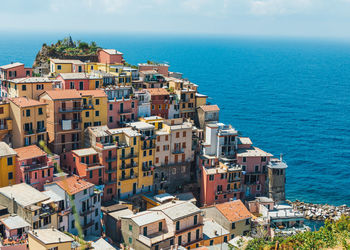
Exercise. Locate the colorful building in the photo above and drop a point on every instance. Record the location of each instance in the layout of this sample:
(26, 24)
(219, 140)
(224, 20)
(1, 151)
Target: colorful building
(78, 81)
(14, 70)
(161, 68)
(30, 87)
(5, 122)
(152, 79)
(207, 114)
(8, 165)
(64, 123)
(58, 66)
(214, 233)
(29, 121)
(254, 163)
(232, 215)
(110, 56)
(82, 197)
(94, 108)
(42, 239)
(33, 167)
(160, 102)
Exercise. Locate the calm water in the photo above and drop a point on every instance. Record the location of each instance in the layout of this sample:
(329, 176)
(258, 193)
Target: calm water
(289, 96)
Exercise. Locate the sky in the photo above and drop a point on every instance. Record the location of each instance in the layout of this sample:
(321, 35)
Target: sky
(286, 18)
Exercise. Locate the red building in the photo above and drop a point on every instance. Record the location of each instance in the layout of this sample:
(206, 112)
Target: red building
(86, 164)
(14, 70)
(254, 163)
(33, 167)
(160, 101)
(78, 81)
(121, 111)
(219, 182)
(110, 56)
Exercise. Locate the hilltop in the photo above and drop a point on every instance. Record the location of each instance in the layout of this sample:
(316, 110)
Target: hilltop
(64, 49)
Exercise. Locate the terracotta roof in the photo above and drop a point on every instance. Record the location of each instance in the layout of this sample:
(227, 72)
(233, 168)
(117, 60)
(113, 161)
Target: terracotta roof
(158, 91)
(208, 108)
(95, 93)
(73, 185)
(24, 102)
(59, 94)
(234, 210)
(29, 152)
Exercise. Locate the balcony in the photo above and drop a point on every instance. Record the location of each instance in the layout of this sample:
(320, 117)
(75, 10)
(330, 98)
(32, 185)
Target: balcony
(153, 145)
(110, 182)
(111, 170)
(111, 159)
(36, 166)
(125, 111)
(234, 179)
(41, 130)
(29, 132)
(128, 156)
(86, 211)
(126, 166)
(147, 168)
(145, 137)
(71, 109)
(87, 225)
(123, 178)
(76, 120)
(88, 106)
(178, 151)
(152, 239)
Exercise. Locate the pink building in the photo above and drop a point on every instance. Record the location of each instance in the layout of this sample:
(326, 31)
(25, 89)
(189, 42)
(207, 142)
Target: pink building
(14, 70)
(121, 111)
(254, 166)
(219, 183)
(33, 167)
(110, 56)
(78, 81)
(86, 164)
(160, 68)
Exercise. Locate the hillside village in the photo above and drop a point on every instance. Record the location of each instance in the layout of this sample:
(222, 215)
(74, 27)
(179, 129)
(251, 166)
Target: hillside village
(102, 155)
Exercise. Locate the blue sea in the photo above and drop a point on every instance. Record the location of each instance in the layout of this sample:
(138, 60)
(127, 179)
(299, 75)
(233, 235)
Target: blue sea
(290, 96)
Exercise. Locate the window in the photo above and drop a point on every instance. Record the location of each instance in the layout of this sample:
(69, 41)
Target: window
(189, 237)
(179, 240)
(211, 242)
(256, 168)
(177, 134)
(111, 119)
(73, 197)
(87, 114)
(145, 231)
(53, 248)
(263, 159)
(197, 234)
(211, 177)
(232, 236)
(1, 110)
(184, 134)
(156, 247)
(247, 221)
(9, 161)
(130, 240)
(160, 226)
(59, 67)
(97, 113)
(150, 152)
(178, 225)
(244, 159)
(130, 227)
(132, 105)
(195, 219)
(97, 101)
(97, 84)
(39, 86)
(233, 225)
(225, 238)
(24, 87)
(40, 111)
(171, 242)
(10, 175)
(71, 85)
(27, 112)
(81, 85)
(73, 223)
(90, 176)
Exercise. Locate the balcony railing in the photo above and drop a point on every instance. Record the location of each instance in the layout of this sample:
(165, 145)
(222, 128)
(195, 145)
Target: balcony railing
(147, 168)
(29, 132)
(153, 145)
(111, 159)
(234, 179)
(178, 151)
(41, 130)
(76, 120)
(123, 178)
(88, 106)
(145, 137)
(111, 170)
(71, 109)
(126, 166)
(128, 156)
(125, 111)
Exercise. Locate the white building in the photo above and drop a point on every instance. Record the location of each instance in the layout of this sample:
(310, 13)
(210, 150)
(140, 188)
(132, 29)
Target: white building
(84, 202)
(144, 105)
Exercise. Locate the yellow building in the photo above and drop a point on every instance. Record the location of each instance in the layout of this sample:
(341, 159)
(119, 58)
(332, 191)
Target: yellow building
(5, 122)
(7, 163)
(147, 154)
(214, 233)
(94, 108)
(95, 82)
(58, 66)
(49, 239)
(30, 87)
(128, 171)
(29, 121)
(117, 70)
(201, 100)
(156, 121)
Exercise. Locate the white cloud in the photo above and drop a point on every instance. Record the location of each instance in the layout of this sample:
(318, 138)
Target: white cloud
(279, 7)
